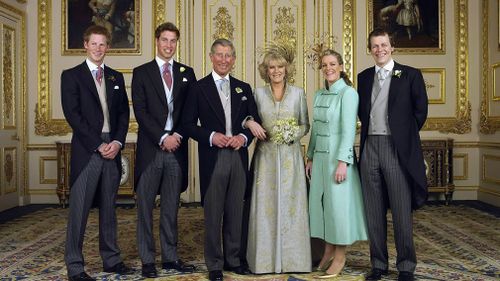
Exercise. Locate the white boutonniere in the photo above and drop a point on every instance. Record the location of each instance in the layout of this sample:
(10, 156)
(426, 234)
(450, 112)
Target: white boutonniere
(397, 73)
(182, 69)
(243, 98)
(238, 90)
(116, 87)
(184, 79)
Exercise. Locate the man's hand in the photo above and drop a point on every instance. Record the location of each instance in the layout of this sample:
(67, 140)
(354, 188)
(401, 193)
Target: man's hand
(109, 150)
(171, 143)
(236, 142)
(220, 140)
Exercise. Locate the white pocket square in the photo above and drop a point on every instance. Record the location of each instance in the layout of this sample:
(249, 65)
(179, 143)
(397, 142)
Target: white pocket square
(184, 79)
(116, 87)
(243, 98)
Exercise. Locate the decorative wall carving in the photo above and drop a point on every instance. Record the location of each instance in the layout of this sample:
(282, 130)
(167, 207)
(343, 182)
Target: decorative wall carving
(44, 124)
(349, 23)
(9, 169)
(223, 25)
(8, 77)
(285, 34)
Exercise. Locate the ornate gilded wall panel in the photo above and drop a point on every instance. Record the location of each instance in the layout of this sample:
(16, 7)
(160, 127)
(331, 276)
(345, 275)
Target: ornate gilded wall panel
(284, 24)
(45, 125)
(224, 19)
(13, 102)
(489, 123)
(348, 42)
(8, 77)
(9, 169)
(461, 123)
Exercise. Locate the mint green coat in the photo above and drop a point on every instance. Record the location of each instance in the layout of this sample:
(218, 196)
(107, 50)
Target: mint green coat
(336, 210)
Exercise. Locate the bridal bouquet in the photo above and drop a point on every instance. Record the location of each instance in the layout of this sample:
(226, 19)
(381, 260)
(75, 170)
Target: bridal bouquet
(284, 131)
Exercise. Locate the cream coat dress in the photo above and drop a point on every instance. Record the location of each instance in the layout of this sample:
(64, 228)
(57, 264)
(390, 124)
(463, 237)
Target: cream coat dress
(278, 234)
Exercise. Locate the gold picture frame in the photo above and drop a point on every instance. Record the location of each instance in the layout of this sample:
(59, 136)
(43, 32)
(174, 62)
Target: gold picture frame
(122, 18)
(416, 26)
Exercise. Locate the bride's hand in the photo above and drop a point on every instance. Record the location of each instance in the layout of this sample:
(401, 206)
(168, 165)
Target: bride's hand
(256, 129)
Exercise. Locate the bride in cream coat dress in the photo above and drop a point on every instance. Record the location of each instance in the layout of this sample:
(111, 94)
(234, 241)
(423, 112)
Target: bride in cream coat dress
(278, 234)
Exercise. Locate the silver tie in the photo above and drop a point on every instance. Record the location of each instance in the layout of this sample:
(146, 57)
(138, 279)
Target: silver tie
(224, 87)
(382, 75)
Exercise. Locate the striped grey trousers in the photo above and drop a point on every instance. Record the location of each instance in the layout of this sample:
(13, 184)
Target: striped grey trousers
(385, 184)
(223, 210)
(164, 175)
(104, 174)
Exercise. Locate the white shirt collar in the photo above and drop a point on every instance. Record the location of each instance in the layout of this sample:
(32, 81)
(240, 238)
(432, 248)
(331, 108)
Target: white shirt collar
(92, 66)
(217, 77)
(388, 66)
(161, 62)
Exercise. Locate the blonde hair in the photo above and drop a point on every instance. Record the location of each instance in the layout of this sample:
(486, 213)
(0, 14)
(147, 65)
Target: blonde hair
(274, 56)
(330, 52)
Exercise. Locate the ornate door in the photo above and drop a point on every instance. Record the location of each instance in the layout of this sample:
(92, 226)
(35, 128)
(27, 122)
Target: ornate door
(11, 117)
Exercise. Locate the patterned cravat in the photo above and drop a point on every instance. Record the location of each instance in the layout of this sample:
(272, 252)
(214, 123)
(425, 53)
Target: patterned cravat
(167, 75)
(98, 75)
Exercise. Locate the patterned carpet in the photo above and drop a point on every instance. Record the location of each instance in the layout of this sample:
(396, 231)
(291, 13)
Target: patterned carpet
(453, 243)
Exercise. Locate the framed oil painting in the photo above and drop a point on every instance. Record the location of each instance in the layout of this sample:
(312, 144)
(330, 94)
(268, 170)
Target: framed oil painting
(120, 17)
(417, 26)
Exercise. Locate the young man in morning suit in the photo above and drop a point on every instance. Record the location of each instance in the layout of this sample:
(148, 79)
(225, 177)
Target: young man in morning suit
(159, 90)
(221, 102)
(392, 110)
(95, 105)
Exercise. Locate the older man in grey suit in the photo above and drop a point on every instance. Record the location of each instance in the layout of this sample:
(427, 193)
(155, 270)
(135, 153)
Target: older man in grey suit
(220, 103)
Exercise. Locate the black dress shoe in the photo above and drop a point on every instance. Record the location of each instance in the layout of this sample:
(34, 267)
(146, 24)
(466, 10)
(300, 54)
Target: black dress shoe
(215, 275)
(149, 270)
(376, 274)
(240, 270)
(120, 268)
(406, 276)
(179, 266)
(81, 277)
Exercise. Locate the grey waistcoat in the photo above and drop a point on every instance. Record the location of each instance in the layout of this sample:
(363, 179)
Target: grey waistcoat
(379, 121)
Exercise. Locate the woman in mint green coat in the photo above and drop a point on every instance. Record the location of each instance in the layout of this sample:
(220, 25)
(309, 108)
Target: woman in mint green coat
(335, 201)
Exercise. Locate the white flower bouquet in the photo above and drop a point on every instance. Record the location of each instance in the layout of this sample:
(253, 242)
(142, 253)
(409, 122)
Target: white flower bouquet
(284, 131)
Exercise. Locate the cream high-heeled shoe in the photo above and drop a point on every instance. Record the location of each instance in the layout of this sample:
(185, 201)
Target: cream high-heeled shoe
(328, 275)
(325, 266)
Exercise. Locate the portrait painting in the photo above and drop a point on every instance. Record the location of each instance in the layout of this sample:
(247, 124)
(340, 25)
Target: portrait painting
(120, 17)
(416, 25)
